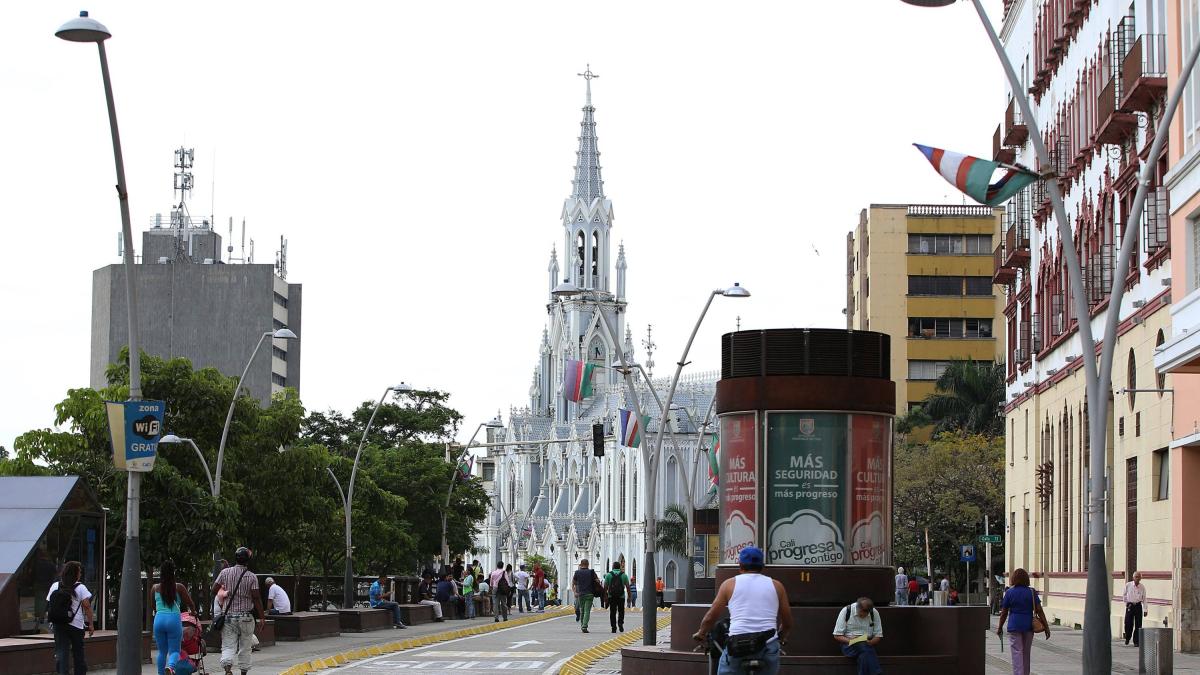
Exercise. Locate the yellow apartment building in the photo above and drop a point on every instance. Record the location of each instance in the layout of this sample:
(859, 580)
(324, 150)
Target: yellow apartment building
(923, 274)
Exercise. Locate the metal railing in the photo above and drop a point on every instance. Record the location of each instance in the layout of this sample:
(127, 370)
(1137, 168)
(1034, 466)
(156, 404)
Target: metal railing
(944, 210)
(1147, 57)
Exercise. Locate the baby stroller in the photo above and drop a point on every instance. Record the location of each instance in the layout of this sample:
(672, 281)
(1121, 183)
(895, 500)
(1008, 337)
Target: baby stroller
(192, 648)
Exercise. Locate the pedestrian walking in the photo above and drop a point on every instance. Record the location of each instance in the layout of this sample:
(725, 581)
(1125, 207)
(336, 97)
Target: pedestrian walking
(615, 583)
(585, 586)
(1023, 610)
(242, 603)
(1135, 599)
(169, 598)
(69, 612)
(660, 588)
(500, 587)
(511, 598)
(523, 590)
(539, 587)
(901, 587)
(633, 591)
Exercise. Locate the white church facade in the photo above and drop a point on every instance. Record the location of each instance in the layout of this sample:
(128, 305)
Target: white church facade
(551, 494)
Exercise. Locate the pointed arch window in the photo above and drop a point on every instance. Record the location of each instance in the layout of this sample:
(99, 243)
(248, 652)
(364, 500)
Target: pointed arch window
(580, 250)
(634, 491)
(595, 254)
(621, 487)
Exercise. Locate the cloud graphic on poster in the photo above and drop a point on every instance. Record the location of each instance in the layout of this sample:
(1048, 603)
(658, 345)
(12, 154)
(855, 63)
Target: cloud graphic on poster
(806, 538)
(866, 541)
(739, 533)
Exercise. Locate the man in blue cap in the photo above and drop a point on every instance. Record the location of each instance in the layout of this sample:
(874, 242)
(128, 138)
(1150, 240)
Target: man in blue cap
(759, 617)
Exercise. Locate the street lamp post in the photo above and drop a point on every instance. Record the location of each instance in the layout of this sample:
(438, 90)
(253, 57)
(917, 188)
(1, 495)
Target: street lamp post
(348, 496)
(171, 439)
(649, 457)
(493, 423)
(1097, 631)
(129, 605)
(280, 334)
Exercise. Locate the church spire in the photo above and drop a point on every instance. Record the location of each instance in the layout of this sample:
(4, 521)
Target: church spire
(587, 184)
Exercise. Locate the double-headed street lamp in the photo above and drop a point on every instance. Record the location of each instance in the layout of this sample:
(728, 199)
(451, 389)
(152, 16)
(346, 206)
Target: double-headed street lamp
(1097, 631)
(348, 494)
(129, 604)
(650, 455)
(172, 439)
(494, 423)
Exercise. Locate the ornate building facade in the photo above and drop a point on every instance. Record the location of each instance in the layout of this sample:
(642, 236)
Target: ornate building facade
(552, 494)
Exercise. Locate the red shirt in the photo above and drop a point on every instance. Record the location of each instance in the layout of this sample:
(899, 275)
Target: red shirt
(538, 577)
(913, 587)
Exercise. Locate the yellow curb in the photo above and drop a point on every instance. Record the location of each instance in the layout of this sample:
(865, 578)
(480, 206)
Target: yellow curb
(413, 643)
(579, 664)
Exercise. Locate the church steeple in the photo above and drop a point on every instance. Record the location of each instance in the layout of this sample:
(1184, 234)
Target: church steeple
(587, 183)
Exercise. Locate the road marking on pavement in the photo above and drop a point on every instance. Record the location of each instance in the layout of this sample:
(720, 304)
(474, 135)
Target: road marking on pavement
(444, 666)
(490, 655)
(522, 643)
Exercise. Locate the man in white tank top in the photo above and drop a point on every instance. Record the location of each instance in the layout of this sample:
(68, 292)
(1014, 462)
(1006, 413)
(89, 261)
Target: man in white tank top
(759, 617)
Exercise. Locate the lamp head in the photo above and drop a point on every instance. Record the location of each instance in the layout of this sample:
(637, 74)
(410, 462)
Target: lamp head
(170, 438)
(735, 291)
(83, 29)
(929, 3)
(494, 423)
(285, 334)
(403, 386)
(565, 290)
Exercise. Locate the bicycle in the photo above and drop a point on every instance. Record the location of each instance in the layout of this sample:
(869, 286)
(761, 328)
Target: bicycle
(714, 646)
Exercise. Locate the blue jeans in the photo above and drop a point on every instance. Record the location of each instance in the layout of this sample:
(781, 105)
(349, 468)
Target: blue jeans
(470, 605)
(168, 633)
(768, 657)
(868, 662)
(523, 600)
(68, 647)
(395, 607)
(901, 596)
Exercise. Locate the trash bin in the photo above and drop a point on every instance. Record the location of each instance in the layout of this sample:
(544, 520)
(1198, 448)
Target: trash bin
(940, 598)
(1155, 653)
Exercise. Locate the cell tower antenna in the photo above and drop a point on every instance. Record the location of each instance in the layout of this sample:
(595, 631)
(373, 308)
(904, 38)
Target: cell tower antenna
(184, 158)
(281, 258)
(648, 343)
(244, 242)
(229, 243)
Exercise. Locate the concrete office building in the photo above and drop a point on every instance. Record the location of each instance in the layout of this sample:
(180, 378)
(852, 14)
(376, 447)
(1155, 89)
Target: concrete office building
(191, 304)
(923, 275)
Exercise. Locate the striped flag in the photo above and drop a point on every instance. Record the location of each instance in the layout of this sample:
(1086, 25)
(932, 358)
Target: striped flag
(714, 464)
(465, 466)
(974, 176)
(577, 380)
(631, 428)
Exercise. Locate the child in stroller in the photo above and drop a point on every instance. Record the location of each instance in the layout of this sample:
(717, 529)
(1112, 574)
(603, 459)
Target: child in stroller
(192, 648)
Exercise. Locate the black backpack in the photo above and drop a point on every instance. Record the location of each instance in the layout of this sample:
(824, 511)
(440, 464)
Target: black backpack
(502, 585)
(616, 586)
(58, 608)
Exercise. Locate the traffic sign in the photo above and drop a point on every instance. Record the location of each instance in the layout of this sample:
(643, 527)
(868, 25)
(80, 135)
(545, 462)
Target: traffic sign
(966, 553)
(990, 539)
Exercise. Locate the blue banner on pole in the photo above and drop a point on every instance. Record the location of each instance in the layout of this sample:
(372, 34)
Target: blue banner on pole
(966, 553)
(135, 427)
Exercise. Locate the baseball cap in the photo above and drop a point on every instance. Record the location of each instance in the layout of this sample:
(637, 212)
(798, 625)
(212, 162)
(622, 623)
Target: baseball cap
(751, 555)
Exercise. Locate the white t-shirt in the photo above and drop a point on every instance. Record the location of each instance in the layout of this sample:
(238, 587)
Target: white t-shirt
(522, 580)
(280, 597)
(81, 594)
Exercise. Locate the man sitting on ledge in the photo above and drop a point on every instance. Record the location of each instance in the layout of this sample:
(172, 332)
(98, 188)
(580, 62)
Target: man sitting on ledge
(759, 617)
(859, 629)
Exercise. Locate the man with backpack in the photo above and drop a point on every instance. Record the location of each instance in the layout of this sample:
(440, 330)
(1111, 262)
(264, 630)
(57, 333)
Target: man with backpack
(500, 587)
(68, 605)
(615, 583)
(586, 586)
(859, 629)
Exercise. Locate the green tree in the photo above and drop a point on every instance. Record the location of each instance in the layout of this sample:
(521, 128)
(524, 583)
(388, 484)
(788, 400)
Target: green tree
(947, 486)
(547, 564)
(673, 529)
(967, 397)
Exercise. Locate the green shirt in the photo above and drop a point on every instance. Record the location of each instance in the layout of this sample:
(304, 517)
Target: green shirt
(608, 578)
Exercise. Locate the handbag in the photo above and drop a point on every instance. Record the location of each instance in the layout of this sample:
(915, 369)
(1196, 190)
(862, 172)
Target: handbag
(1037, 624)
(219, 621)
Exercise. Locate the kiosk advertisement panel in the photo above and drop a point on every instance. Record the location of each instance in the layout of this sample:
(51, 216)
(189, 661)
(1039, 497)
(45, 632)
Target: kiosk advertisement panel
(738, 483)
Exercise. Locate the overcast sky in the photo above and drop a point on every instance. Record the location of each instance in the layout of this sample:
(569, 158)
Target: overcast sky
(416, 156)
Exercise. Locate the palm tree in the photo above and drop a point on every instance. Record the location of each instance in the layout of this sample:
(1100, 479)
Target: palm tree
(967, 397)
(672, 530)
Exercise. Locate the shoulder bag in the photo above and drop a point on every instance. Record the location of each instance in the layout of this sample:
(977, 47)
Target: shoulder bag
(1038, 626)
(219, 621)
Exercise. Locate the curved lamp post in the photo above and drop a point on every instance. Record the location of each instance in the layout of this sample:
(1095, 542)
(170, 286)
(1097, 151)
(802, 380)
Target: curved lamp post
(1097, 629)
(281, 334)
(493, 423)
(348, 495)
(172, 439)
(649, 465)
(129, 626)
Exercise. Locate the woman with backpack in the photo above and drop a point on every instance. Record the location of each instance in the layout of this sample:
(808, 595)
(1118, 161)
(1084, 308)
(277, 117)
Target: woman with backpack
(1025, 617)
(69, 610)
(169, 597)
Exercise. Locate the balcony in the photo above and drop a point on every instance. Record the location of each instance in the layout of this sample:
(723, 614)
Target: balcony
(1000, 153)
(1003, 274)
(1016, 245)
(1115, 123)
(1156, 223)
(1015, 131)
(1144, 73)
(1098, 274)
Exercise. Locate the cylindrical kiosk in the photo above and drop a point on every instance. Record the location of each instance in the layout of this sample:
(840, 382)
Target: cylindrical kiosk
(806, 460)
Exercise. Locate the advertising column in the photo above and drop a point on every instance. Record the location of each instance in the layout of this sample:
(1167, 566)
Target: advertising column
(805, 501)
(870, 439)
(738, 483)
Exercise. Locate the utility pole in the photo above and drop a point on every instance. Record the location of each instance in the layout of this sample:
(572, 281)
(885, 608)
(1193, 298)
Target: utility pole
(987, 561)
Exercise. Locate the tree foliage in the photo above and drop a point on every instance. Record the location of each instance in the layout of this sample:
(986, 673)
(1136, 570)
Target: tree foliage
(673, 530)
(947, 486)
(967, 397)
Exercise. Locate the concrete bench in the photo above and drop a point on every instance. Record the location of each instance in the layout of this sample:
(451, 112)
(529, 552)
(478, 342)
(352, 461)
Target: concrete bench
(361, 619)
(639, 660)
(412, 615)
(34, 654)
(300, 626)
(454, 611)
(266, 637)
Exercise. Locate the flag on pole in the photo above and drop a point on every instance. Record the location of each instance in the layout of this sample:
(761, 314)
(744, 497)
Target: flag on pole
(714, 464)
(577, 380)
(527, 531)
(976, 177)
(631, 428)
(465, 466)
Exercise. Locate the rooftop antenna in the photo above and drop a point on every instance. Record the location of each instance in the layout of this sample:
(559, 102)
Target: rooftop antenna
(739, 322)
(281, 258)
(180, 219)
(229, 242)
(648, 343)
(250, 258)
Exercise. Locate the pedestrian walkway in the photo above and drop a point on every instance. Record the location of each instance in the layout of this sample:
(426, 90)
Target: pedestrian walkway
(1063, 653)
(611, 665)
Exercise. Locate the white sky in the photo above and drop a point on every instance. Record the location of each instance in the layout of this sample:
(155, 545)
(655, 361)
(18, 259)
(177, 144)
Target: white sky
(416, 155)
